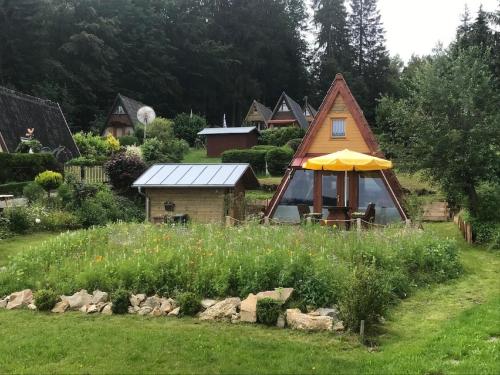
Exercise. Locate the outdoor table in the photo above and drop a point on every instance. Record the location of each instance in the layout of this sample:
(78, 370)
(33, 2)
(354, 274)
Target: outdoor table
(6, 198)
(338, 215)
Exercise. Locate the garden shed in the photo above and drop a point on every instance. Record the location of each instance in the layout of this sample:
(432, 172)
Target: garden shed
(206, 193)
(222, 139)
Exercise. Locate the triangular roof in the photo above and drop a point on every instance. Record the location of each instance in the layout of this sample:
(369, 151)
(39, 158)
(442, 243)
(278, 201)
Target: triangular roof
(18, 112)
(131, 106)
(295, 109)
(264, 111)
(310, 108)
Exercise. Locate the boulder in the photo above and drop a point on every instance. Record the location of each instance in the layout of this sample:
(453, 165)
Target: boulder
(174, 312)
(223, 310)
(92, 309)
(339, 326)
(99, 297)
(83, 309)
(166, 305)
(249, 305)
(281, 322)
(145, 310)
(206, 303)
(20, 299)
(298, 320)
(279, 294)
(78, 300)
(136, 299)
(152, 302)
(4, 302)
(107, 309)
(235, 318)
(157, 311)
(60, 307)
(31, 306)
(325, 311)
(101, 305)
(131, 310)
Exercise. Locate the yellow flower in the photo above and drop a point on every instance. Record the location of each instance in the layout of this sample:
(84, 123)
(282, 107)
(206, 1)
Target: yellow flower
(98, 258)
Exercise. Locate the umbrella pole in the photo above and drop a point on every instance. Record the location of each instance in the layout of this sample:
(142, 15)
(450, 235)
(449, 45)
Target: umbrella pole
(345, 188)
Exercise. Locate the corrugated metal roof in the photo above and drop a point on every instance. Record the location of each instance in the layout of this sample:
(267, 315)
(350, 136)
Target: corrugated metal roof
(232, 130)
(197, 175)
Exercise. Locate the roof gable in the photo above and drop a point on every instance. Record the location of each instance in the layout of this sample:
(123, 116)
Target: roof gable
(338, 93)
(131, 106)
(259, 110)
(295, 110)
(18, 112)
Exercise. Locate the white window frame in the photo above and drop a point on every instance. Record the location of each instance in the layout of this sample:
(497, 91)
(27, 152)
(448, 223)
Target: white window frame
(337, 134)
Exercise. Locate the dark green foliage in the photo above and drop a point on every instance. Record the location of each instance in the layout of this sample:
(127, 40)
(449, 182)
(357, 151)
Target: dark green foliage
(171, 151)
(279, 137)
(263, 147)
(123, 170)
(189, 303)
(45, 299)
(120, 300)
(187, 127)
(256, 158)
(278, 159)
(24, 167)
(88, 161)
(19, 220)
(294, 143)
(33, 192)
(128, 140)
(24, 147)
(268, 311)
(14, 188)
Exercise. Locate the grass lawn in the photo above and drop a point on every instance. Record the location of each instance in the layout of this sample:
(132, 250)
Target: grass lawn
(448, 328)
(199, 156)
(17, 244)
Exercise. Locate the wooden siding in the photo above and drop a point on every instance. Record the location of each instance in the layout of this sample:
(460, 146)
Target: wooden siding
(323, 143)
(218, 143)
(93, 174)
(202, 205)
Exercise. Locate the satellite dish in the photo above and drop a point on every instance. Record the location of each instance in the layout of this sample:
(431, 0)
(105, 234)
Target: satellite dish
(146, 115)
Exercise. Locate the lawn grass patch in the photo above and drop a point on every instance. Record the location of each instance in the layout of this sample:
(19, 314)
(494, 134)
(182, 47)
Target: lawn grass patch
(199, 156)
(14, 245)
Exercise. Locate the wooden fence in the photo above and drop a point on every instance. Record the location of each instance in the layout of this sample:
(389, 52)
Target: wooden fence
(465, 228)
(87, 174)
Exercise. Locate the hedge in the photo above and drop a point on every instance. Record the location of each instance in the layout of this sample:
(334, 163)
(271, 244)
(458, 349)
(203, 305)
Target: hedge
(278, 159)
(256, 158)
(24, 167)
(279, 137)
(15, 188)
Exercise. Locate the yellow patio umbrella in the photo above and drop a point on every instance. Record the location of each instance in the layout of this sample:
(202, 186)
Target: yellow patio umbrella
(347, 160)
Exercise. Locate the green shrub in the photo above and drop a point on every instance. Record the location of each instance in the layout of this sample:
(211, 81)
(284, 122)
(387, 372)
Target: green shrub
(187, 126)
(24, 147)
(189, 303)
(161, 129)
(123, 170)
(24, 167)
(256, 158)
(280, 136)
(90, 145)
(120, 300)
(49, 180)
(367, 296)
(268, 311)
(33, 192)
(87, 161)
(19, 219)
(263, 147)
(45, 299)
(156, 151)
(14, 188)
(57, 220)
(294, 143)
(128, 140)
(278, 159)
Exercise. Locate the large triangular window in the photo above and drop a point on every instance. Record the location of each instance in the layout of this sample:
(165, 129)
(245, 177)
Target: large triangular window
(284, 107)
(119, 110)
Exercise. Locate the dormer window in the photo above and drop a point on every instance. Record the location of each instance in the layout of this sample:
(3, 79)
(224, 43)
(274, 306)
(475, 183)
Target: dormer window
(338, 128)
(283, 107)
(119, 110)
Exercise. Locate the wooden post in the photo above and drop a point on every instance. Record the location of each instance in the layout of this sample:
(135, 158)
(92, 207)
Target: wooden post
(468, 233)
(362, 331)
(228, 221)
(358, 224)
(266, 220)
(317, 192)
(408, 223)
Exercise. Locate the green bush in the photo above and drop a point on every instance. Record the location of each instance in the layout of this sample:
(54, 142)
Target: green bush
(128, 140)
(49, 180)
(24, 147)
(189, 303)
(263, 147)
(156, 151)
(256, 158)
(33, 192)
(280, 136)
(161, 129)
(278, 159)
(24, 167)
(14, 188)
(90, 145)
(19, 219)
(186, 127)
(294, 143)
(120, 300)
(57, 220)
(268, 311)
(87, 161)
(45, 299)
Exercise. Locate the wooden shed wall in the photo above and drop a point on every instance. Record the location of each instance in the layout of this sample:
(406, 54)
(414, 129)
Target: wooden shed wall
(218, 143)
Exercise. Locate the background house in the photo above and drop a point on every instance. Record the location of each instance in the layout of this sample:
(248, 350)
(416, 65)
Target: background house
(222, 139)
(309, 111)
(122, 117)
(18, 112)
(287, 112)
(258, 115)
(205, 192)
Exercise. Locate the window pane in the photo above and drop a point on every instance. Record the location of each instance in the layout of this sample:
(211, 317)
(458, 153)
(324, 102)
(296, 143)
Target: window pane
(329, 185)
(338, 128)
(299, 191)
(372, 189)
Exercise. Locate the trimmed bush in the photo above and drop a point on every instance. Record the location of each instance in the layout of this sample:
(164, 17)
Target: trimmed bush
(24, 167)
(91, 145)
(263, 147)
(24, 147)
(256, 158)
(123, 170)
(14, 188)
(19, 219)
(294, 143)
(189, 303)
(268, 311)
(120, 300)
(128, 140)
(278, 159)
(186, 127)
(280, 136)
(88, 161)
(49, 180)
(45, 299)
(33, 192)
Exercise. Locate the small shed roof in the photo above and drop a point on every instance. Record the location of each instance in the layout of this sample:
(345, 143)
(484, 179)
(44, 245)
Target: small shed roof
(218, 175)
(232, 130)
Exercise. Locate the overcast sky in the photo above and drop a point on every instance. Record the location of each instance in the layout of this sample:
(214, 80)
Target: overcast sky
(416, 26)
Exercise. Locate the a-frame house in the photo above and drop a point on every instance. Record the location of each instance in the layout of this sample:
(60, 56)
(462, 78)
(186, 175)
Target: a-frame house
(339, 124)
(122, 118)
(258, 115)
(287, 112)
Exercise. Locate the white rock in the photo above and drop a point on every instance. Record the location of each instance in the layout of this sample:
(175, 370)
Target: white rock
(78, 300)
(157, 311)
(60, 307)
(249, 305)
(107, 309)
(83, 309)
(4, 302)
(92, 309)
(206, 303)
(145, 310)
(99, 297)
(20, 299)
(279, 294)
(223, 310)
(136, 299)
(32, 306)
(131, 310)
(339, 326)
(297, 320)
(235, 318)
(281, 322)
(174, 312)
(166, 305)
(152, 302)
